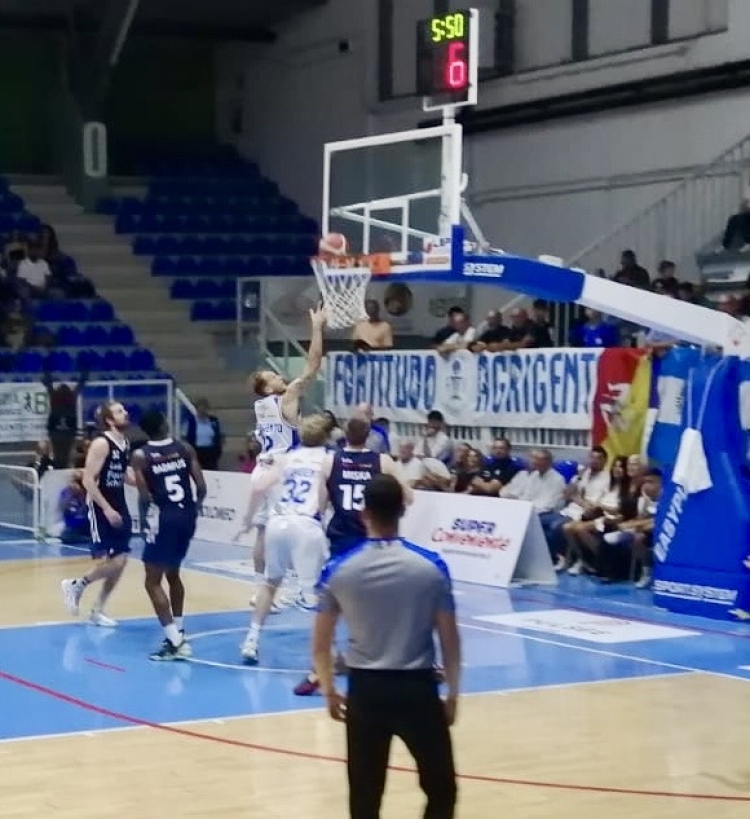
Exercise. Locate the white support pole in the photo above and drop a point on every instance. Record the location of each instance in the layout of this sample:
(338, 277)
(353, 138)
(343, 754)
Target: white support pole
(366, 230)
(414, 135)
(325, 217)
(405, 214)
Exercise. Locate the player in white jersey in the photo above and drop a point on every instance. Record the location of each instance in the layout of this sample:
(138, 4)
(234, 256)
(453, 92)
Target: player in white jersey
(295, 539)
(277, 413)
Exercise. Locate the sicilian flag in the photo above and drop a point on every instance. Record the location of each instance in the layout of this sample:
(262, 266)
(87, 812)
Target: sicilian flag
(621, 401)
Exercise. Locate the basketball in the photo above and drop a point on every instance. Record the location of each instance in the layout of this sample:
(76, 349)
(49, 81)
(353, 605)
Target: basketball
(334, 244)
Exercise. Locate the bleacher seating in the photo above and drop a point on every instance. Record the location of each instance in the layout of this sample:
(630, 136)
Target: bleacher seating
(81, 334)
(209, 220)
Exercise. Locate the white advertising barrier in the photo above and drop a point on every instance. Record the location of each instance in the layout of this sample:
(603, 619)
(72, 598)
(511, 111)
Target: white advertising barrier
(533, 389)
(24, 409)
(225, 506)
(491, 541)
(222, 518)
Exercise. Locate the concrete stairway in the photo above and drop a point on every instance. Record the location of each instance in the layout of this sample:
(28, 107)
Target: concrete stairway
(187, 350)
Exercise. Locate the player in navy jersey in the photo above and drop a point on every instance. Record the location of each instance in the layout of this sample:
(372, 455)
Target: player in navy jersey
(163, 471)
(347, 473)
(105, 474)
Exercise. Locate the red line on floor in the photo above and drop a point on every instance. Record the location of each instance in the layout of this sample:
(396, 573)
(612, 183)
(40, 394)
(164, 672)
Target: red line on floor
(100, 664)
(236, 743)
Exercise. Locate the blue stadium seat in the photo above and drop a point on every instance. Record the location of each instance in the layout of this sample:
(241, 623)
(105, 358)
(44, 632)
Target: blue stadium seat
(89, 360)
(101, 311)
(163, 266)
(183, 289)
(568, 469)
(94, 335)
(69, 336)
(519, 463)
(51, 311)
(60, 361)
(202, 311)
(115, 361)
(29, 361)
(121, 335)
(142, 360)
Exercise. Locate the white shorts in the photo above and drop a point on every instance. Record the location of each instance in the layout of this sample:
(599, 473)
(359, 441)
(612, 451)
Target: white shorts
(260, 518)
(297, 543)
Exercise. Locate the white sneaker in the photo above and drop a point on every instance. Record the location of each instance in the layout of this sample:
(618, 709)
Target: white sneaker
(561, 563)
(249, 650)
(307, 602)
(99, 618)
(576, 568)
(645, 580)
(71, 593)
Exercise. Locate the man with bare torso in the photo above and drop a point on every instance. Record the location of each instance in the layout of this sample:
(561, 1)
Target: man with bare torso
(374, 333)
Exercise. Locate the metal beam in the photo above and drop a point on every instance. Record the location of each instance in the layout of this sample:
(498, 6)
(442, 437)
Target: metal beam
(60, 23)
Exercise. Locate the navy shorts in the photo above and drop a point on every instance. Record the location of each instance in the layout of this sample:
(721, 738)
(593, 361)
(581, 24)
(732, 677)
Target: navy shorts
(169, 546)
(341, 545)
(108, 540)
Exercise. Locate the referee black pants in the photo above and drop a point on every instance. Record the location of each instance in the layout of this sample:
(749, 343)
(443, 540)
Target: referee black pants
(404, 704)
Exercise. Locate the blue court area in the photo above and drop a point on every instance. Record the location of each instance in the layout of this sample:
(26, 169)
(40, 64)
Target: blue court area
(67, 676)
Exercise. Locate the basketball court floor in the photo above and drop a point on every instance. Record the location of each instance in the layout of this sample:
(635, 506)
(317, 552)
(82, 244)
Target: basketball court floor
(580, 701)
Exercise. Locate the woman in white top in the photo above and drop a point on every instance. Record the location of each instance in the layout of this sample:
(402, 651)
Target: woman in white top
(583, 536)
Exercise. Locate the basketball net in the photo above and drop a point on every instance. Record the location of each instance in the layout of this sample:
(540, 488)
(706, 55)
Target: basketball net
(343, 282)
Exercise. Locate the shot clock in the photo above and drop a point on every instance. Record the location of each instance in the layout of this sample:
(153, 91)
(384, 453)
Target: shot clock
(447, 57)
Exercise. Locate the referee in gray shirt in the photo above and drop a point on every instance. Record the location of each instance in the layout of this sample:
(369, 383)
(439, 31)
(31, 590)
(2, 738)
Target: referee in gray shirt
(393, 596)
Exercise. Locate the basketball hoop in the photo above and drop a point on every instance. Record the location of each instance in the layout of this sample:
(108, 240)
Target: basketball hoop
(343, 282)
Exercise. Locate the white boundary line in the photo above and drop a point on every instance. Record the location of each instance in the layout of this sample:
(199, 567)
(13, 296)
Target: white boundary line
(319, 707)
(603, 652)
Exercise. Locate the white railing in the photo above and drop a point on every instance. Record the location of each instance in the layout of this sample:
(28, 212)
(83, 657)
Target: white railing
(689, 216)
(181, 402)
(20, 499)
(111, 388)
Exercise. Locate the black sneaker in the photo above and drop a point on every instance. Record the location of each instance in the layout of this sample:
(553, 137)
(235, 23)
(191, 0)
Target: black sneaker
(169, 652)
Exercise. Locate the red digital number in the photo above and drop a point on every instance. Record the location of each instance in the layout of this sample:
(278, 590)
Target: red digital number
(456, 69)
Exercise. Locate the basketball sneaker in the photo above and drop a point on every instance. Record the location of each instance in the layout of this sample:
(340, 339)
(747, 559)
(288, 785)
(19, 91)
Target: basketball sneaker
(71, 592)
(169, 652)
(99, 618)
(249, 650)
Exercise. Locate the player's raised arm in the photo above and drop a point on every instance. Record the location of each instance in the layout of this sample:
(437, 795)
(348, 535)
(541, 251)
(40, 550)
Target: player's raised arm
(95, 458)
(196, 473)
(389, 467)
(290, 401)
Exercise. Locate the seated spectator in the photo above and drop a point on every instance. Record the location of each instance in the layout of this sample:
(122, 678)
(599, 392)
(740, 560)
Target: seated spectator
(80, 450)
(75, 512)
(336, 435)
(249, 460)
(632, 538)
(435, 442)
(14, 252)
(498, 471)
(458, 334)
(667, 274)
(373, 334)
(541, 324)
(204, 435)
(463, 476)
(436, 477)
(16, 326)
(737, 232)
(525, 333)
(596, 332)
(42, 461)
(544, 488)
(459, 457)
(631, 273)
(584, 496)
(410, 468)
(517, 485)
(378, 439)
(582, 536)
(686, 292)
(493, 337)
(34, 272)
